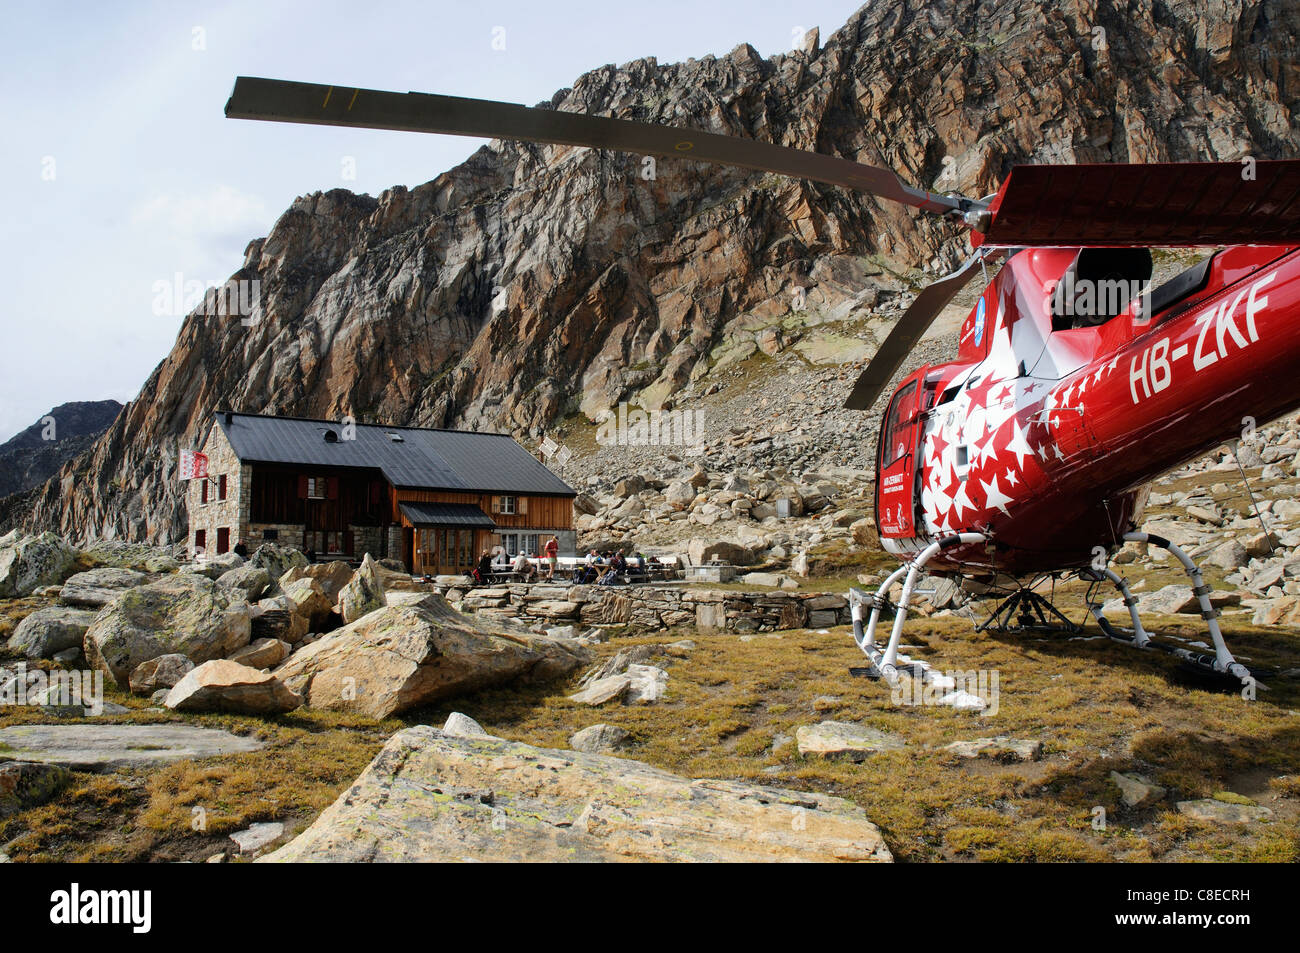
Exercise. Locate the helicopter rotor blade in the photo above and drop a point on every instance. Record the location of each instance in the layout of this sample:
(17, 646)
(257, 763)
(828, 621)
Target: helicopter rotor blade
(916, 320)
(1154, 204)
(287, 101)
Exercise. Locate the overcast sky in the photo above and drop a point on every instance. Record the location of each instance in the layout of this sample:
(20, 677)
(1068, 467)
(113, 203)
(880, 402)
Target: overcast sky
(120, 170)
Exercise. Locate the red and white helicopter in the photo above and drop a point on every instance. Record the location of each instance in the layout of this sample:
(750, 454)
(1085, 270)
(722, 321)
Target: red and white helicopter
(1075, 383)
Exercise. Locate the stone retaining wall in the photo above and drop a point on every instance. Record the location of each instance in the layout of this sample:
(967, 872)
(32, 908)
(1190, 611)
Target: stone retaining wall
(655, 607)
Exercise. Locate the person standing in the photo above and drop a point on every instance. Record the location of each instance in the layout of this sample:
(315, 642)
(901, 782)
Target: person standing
(552, 556)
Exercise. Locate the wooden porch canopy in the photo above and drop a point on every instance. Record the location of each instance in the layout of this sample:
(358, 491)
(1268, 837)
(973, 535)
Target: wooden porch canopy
(458, 515)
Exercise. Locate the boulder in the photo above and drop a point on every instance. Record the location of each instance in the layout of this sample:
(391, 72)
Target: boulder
(548, 805)
(1136, 789)
(399, 657)
(1222, 812)
(310, 601)
(102, 747)
(264, 653)
(1171, 599)
(637, 685)
(1228, 556)
(277, 560)
(161, 672)
(1000, 748)
(223, 685)
(332, 576)
(26, 784)
(30, 562)
(255, 839)
(599, 738)
(463, 726)
(837, 739)
(363, 594)
(679, 495)
(249, 583)
(186, 614)
(864, 532)
(215, 566)
(96, 588)
(48, 631)
(701, 551)
(278, 618)
(629, 486)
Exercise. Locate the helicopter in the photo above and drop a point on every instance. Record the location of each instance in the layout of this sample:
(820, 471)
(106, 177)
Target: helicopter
(1076, 383)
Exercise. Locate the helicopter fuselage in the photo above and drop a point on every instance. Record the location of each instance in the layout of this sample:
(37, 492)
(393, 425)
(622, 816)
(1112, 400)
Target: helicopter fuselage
(1047, 429)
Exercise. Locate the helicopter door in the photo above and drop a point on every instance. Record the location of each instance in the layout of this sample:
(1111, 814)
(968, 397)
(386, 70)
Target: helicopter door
(896, 463)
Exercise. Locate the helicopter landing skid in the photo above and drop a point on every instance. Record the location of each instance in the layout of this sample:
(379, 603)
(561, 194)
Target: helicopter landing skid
(1221, 663)
(886, 663)
(1026, 610)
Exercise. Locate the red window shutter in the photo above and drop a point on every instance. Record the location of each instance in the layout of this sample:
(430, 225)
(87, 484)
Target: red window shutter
(302, 487)
(333, 487)
(221, 487)
(203, 493)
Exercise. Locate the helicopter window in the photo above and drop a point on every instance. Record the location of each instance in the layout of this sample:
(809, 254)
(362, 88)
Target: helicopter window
(1098, 285)
(900, 414)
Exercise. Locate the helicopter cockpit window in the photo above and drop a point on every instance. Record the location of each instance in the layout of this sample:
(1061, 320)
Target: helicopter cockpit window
(900, 414)
(1099, 284)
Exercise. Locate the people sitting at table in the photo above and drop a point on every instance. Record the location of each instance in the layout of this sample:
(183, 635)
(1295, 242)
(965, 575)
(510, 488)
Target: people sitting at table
(524, 567)
(587, 572)
(483, 571)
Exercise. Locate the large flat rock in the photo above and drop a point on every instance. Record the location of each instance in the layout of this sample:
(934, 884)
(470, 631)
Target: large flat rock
(430, 796)
(107, 747)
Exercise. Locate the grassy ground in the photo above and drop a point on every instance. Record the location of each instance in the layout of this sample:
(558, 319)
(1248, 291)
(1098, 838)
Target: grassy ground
(732, 711)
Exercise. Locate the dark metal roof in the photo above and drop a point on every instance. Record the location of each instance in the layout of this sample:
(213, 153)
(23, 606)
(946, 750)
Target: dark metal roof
(455, 460)
(447, 514)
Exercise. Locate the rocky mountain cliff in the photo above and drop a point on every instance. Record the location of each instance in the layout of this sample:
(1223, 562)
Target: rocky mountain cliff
(534, 282)
(35, 454)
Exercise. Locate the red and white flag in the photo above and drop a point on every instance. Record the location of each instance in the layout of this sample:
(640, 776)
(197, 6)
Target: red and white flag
(194, 465)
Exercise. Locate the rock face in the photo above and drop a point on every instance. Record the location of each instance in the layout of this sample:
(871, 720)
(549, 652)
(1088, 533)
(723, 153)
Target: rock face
(533, 281)
(50, 630)
(35, 454)
(185, 614)
(429, 796)
(399, 657)
(222, 685)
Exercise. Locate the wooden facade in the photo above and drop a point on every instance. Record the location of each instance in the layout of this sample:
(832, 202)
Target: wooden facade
(453, 550)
